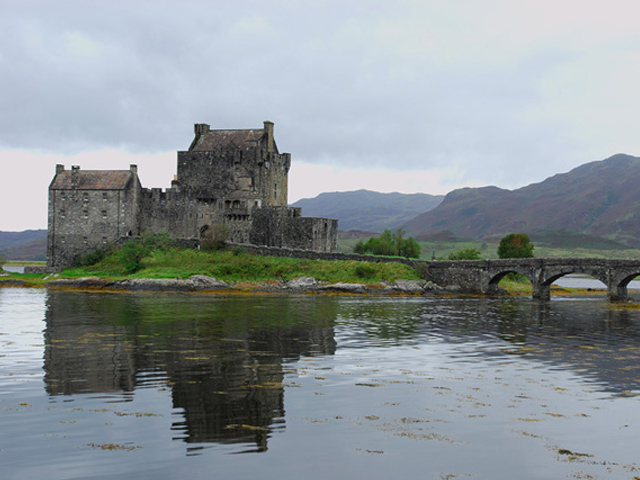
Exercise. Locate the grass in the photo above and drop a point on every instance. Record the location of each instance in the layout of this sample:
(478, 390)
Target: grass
(234, 266)
(488, 250)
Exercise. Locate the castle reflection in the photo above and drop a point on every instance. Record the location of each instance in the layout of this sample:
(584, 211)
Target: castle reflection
(223, 359)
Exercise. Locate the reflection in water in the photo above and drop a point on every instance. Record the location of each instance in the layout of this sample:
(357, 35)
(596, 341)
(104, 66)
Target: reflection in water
(222, 358)
(219, 374)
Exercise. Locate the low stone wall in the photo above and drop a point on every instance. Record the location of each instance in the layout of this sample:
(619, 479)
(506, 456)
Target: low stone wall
(311, 255)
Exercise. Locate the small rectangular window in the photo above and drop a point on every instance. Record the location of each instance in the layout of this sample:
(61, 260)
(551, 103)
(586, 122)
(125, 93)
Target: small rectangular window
(63, 196)
(86, 197)
(63, 213)
(104, 196)
(85, 239)
(104, 214)
(85, 213)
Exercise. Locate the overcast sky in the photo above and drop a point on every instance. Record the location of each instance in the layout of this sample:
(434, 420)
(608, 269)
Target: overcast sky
(408, 96)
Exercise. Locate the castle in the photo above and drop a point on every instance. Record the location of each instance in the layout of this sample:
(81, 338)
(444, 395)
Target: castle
(235, 178)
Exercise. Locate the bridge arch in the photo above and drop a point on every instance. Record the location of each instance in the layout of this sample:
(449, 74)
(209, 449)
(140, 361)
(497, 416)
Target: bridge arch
(496, 276)
(483, 276)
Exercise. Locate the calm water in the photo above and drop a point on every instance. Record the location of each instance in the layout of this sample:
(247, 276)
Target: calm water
(315, 387)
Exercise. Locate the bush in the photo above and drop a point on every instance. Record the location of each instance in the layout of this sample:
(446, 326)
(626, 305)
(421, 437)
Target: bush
(465, 254)
(389, 244)
(515, 245)
(365, 271)
(214, 237)
(131, 256)
(91, 258)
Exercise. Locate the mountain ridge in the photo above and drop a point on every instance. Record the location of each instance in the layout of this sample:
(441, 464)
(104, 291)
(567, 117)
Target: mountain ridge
(368, 210)
(597, 198)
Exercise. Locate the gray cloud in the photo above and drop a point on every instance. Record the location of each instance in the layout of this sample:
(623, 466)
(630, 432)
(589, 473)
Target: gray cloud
(493, 89)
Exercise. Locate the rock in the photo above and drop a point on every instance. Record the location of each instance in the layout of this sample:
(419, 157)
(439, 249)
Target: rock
(430, 286)
(410, 286)
(204, 282)
(302, 282)
(344, 287)
(82, 282)
(152, 284)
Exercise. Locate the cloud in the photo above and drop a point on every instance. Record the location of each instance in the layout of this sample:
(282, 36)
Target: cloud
(494, 92)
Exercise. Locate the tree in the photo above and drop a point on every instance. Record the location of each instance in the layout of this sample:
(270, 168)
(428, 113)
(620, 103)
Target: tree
(214, 237)
(515, 245)
(390, 244)
(465, 254)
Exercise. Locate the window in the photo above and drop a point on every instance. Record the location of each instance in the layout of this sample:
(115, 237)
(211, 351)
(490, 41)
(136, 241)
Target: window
(85, 213)
(85, 197)
(63, 213)
(104, 196)
(104, 214)
(104, 239)
(63, 196)
(85, 239)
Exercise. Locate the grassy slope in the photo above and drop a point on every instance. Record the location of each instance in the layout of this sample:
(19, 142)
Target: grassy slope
(241, 267)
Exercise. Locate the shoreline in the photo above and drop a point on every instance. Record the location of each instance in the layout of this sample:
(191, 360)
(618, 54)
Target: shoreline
(297, 286)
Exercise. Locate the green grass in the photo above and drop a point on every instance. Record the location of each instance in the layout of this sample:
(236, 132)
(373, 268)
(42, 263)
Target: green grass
(232, 266)
(488, 250)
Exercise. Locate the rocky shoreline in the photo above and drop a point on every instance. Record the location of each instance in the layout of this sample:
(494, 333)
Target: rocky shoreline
(203, 283)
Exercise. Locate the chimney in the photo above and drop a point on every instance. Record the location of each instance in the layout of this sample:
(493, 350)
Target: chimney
(59, 169)
(201, 129)
(268, 128)
(75, 169)
(134, 169)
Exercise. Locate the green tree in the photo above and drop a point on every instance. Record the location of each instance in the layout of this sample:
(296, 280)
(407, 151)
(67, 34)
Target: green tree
(515, 245)
(390, 244)
(465, 254)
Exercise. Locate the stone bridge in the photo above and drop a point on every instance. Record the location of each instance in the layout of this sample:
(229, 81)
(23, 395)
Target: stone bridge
(483, 276)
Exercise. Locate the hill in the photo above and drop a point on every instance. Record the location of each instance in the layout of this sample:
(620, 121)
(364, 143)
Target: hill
(27, 245)
(367, 210)
(598, 199)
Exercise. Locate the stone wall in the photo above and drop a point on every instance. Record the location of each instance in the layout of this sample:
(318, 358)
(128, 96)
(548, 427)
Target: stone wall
(81, 221)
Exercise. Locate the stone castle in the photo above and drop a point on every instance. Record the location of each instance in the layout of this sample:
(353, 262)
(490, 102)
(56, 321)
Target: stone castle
(235, 178)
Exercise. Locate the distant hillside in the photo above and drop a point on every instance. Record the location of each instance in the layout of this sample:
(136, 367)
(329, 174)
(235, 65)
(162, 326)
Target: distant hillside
(599, 198)
(367, 210)
(27, 245)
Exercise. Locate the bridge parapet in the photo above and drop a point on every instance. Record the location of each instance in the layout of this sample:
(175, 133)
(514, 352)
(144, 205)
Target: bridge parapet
(483, 276)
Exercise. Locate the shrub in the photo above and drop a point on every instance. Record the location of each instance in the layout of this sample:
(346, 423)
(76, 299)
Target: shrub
(515, 245)
(91, 258)
(131, 256)
(214, 237)
(365, 271)
(465, 254)
(390, 244)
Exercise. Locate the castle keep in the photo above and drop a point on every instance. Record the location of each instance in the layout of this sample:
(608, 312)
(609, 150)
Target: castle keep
(236, 178)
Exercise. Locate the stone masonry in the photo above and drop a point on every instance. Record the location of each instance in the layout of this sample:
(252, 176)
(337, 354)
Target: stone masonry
(235, 178)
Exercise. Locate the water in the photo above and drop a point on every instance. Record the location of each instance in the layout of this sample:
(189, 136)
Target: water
(583, 281)
(198, 386)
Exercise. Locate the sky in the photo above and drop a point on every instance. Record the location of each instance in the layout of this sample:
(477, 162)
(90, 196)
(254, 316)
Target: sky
(404, 96)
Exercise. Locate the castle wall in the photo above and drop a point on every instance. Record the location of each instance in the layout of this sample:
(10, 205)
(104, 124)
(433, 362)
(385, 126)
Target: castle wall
(82, 220)
(285, 228)
(250, 174)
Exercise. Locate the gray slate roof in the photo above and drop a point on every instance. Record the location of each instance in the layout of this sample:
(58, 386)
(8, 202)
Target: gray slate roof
(93, 180)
